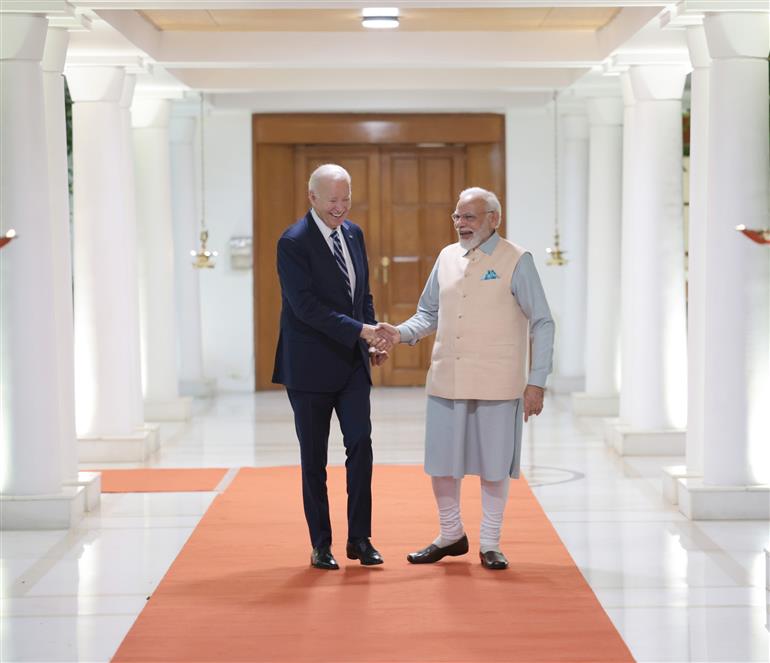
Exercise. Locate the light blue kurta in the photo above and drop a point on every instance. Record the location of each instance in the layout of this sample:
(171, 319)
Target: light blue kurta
(482, 437)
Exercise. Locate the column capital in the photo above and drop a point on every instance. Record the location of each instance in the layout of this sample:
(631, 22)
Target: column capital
(698, 47)
(188, 106)
(127, 93)
(55, 53)
(657, 83)
(23, 37)
(605, 111)
(95, 83)
(628, 89)
(149, 112)
(738, 35)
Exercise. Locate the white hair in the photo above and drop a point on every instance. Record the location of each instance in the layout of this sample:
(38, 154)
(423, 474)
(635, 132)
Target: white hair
(488, 197)
(329, 171)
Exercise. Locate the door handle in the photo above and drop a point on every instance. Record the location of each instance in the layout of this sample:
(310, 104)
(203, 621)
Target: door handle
(385, 264)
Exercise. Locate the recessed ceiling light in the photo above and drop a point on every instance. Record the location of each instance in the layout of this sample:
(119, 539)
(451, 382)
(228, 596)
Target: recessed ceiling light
(380, 17)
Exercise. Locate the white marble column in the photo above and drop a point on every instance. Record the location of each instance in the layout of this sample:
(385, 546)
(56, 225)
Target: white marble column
(150, 119)
(31, 481)
(106, 371)
(627, 254)
(184, 199)
(655, 406)
(600, 398)
(696, 262)
(573, 214)
(736, 372)
(55, 52)
(130, 241)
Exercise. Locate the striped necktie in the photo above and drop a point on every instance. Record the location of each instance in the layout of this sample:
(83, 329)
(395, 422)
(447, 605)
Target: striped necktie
(340, 258)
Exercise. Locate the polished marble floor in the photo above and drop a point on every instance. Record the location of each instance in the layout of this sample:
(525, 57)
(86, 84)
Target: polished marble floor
(676, 590)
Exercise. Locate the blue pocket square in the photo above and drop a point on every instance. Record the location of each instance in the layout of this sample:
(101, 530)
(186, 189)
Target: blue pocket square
(490, 275)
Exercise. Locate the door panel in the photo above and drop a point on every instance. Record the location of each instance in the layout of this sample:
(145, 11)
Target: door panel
(419, 191)
(402, 198)
(362, 162)
(273, 171)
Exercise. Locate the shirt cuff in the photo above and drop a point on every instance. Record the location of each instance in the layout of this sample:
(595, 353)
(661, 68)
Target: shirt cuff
(406, 334)
(538, 378)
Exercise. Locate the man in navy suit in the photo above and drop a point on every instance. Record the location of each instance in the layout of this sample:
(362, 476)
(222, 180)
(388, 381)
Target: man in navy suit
(323, 357)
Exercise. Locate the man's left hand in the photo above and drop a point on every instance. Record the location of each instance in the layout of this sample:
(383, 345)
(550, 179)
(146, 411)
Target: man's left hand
(377, 358)
(533, 401)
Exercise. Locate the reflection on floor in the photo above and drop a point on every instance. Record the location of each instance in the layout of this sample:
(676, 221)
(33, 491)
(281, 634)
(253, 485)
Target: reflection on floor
(676, 590)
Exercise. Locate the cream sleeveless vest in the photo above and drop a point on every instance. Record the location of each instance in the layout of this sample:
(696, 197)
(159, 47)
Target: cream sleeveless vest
(482, 340)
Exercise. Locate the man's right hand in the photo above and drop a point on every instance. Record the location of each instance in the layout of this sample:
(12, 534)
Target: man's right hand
(375, 340)
(389, 332)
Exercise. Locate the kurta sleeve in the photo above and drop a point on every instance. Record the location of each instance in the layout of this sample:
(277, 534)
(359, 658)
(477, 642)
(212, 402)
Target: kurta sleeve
(425, 320)
(529, 293)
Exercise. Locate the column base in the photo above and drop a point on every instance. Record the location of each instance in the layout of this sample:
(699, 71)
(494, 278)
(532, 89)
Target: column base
(700, 501)
(133, 447)
(630, 442)
(566, 384)
(37, 512)
(592, 405)
(92, 483)
(609, 424)
(171, 409)
(154, 431)
(203, 388)
(670, 476)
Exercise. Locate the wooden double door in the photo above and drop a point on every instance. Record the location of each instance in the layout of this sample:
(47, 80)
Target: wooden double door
(403, 196)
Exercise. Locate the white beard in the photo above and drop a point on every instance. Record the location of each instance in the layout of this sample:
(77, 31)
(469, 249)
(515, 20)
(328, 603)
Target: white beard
(472, 242)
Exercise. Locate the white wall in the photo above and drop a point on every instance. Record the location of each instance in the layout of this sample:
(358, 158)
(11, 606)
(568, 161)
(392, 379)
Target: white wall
(226, 295)
(529, 142)
(227, 309)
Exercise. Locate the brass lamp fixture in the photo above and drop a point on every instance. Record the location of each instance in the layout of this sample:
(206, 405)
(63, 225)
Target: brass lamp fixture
(555, 254)
(758, 235)
(7, 238)
(203, 257)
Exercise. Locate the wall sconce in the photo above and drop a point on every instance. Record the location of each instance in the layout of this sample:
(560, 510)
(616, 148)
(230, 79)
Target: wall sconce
(240, 253)
(758, 235)
(7, 238)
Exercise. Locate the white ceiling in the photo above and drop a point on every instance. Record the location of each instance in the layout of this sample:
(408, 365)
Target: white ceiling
(273, 58)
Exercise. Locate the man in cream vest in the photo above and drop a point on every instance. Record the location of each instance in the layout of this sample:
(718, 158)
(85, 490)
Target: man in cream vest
(485, 302)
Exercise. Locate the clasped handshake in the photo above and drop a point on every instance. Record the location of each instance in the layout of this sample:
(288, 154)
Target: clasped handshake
(381, 338)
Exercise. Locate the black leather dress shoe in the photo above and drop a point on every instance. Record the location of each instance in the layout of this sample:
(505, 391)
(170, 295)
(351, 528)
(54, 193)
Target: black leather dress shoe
(364, 551)
(433, 553)
(322, 558)
(492, 559)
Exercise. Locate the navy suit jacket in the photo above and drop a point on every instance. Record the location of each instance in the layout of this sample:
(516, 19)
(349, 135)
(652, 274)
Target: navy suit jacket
(320, 326)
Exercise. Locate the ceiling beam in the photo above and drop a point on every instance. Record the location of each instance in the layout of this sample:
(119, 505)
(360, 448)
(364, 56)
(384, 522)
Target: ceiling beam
(463, 81)
(356, 4)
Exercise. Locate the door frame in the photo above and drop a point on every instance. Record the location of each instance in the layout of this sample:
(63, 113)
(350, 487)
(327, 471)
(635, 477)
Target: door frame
(274, 137)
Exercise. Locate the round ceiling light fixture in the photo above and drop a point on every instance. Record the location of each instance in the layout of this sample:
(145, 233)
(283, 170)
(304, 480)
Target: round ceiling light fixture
(380, 18)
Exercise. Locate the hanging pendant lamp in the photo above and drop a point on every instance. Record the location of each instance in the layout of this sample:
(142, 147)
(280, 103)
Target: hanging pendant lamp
(203, 257)
(555, 254)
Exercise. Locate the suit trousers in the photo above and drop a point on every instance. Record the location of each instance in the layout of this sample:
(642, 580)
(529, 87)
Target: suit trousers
(312, 419)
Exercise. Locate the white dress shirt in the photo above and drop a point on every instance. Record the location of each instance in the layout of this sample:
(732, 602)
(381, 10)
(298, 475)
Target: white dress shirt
(327, 233)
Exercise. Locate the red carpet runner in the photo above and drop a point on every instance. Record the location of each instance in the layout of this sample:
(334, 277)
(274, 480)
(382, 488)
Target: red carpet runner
(161, 480)
(242, 589)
